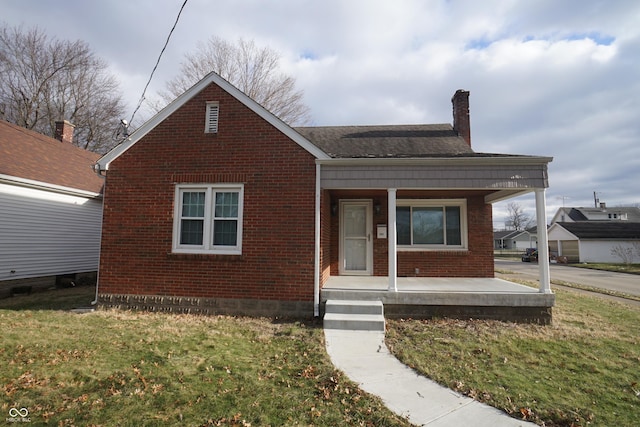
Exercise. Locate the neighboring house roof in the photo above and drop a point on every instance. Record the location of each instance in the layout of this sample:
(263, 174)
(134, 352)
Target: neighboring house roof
(602, 229)
(35, 158)
(631, 214)
(506, 234)
(576, 215)
(603, 213)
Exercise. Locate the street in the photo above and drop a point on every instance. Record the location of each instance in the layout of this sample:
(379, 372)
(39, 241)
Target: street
(619, 282)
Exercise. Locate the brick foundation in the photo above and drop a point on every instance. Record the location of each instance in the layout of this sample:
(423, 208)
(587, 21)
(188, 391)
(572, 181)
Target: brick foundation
(208, 306)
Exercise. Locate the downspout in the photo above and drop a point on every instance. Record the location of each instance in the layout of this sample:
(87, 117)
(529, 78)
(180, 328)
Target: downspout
(316, 266)
(96, 169)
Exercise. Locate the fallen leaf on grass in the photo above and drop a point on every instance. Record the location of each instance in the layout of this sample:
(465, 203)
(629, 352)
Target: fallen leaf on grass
(526, 413)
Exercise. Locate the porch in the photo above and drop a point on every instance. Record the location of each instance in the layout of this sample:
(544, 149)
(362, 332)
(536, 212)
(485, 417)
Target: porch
(427, 297)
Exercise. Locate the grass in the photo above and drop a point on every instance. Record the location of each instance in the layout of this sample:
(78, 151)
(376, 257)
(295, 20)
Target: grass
(148, 369)
(620, 268)
(582, 370)
(131, 369)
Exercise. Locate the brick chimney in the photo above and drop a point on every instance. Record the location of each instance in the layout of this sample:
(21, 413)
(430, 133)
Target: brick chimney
(64, 131)
(461, 123)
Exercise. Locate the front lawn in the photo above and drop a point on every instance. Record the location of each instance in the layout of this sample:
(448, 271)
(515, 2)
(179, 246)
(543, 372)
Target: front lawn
(130, 369)
(582, 370)
(146, 369)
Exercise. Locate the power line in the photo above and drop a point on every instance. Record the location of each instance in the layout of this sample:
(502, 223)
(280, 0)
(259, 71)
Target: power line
(157, 62)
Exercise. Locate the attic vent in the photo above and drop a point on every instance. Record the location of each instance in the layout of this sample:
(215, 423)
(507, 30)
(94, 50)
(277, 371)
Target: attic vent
(211, 121)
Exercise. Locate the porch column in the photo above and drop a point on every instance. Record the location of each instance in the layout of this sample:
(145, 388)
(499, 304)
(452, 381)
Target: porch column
(316, 256)
(543, 241)
(391, 237)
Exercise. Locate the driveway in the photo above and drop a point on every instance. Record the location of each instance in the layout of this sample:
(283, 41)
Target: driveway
(619, 282)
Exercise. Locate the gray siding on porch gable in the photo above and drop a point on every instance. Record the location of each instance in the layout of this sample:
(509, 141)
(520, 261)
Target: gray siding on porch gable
(489, 176)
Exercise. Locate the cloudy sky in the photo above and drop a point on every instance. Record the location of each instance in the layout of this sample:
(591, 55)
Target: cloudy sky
(547, 77)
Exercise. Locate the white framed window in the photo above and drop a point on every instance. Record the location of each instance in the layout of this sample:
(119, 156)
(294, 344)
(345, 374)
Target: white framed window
(211, 119)
(431, 224)
(208, 218)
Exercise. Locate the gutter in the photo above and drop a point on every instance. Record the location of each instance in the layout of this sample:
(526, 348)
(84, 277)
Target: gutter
(39, 185)
(437, 161)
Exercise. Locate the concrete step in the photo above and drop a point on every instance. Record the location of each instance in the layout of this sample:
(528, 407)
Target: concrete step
(354, 307)
(354, 322)
(354, 315)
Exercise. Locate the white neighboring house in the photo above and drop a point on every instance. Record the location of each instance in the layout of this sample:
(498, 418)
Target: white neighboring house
(50, 209)
(602, 213)
(515, 239)
(594, 234)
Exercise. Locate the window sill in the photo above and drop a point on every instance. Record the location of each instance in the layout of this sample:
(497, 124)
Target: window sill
(204, 256)
(452, 251)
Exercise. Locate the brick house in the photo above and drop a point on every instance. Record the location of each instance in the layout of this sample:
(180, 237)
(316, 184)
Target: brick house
(217, 206)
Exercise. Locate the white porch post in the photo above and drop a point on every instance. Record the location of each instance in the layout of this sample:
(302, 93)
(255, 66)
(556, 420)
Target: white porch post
(391, 237)
(316, 257)
(543, 241)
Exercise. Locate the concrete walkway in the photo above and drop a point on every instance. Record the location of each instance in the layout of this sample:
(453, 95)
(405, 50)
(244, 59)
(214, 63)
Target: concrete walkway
(365, 359)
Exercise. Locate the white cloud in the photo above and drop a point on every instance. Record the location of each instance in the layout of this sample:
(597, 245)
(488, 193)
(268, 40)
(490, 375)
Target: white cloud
(546, 78)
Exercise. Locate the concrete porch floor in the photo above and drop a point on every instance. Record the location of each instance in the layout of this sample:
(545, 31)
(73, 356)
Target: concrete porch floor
(426, 297)
(427, 284)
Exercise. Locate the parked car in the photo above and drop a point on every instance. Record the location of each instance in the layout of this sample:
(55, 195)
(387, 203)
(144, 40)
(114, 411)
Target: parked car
(530, 255)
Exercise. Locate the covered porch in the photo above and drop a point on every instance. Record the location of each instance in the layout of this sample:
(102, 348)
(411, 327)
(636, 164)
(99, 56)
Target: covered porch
(428, 297)
(404, 216)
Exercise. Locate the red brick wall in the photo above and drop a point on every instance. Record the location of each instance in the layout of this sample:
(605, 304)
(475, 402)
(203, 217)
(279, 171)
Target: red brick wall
(477, 261)
(277, 258)
(325, 237)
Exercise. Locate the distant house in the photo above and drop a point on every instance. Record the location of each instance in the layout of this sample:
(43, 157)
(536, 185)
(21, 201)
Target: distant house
(217, 206)
(602, 213)
(50, 208)
(515, 239)
(592, 234)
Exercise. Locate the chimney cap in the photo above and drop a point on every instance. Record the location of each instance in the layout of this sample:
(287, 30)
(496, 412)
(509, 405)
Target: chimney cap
(459, 92)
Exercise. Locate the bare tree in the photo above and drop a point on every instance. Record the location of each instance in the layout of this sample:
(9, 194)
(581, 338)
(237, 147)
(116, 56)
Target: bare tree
(636, 248)
(624, 253)
(516, 218)
(252, 69)
(43, 80)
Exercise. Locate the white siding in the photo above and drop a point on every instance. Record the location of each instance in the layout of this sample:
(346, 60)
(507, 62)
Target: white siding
(44, 233)
(556, 232)
(600, 251)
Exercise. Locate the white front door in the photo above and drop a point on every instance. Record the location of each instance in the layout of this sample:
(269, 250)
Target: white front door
(356, 243)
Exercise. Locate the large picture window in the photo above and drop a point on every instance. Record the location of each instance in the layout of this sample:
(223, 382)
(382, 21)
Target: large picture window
(208, 219)
(431, 224)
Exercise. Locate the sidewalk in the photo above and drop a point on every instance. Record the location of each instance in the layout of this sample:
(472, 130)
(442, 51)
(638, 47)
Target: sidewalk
(365, 359)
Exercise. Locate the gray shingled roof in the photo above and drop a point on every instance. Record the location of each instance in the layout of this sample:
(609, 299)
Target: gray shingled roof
(603, 229)
(402, 141)
(576, 215)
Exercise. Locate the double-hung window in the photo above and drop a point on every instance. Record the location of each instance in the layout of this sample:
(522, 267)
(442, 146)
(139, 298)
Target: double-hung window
(208, 219)
(431, 224)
